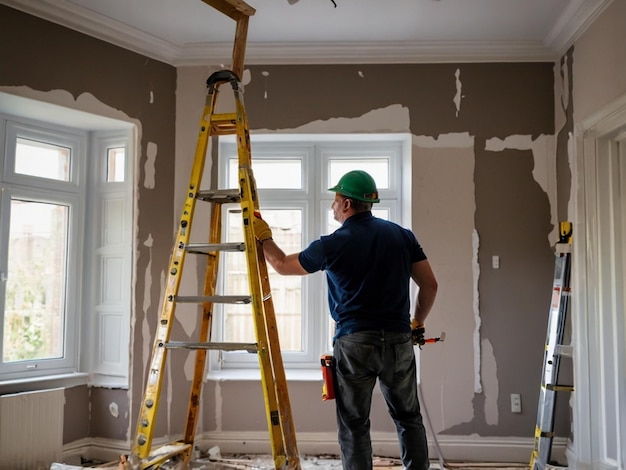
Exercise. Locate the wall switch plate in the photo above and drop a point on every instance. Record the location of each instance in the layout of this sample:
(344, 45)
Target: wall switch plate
(495, 262)
(516, 403)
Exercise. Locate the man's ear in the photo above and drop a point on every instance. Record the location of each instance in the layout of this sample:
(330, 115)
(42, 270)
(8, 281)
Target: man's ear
(347, 203)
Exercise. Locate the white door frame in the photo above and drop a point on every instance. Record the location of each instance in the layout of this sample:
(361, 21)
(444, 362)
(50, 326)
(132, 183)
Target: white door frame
(598, 315)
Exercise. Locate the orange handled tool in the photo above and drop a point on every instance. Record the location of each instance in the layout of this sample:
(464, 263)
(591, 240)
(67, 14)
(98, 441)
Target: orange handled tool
(328, 374)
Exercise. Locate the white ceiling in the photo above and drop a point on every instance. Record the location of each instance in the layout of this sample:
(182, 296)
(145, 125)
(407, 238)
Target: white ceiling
(190, 32)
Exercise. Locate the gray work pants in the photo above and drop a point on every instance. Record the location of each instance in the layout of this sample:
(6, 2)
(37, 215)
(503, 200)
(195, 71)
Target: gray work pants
(360, 359)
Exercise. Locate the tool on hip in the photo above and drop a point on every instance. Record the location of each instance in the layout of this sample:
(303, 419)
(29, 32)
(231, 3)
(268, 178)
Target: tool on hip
(418, 330)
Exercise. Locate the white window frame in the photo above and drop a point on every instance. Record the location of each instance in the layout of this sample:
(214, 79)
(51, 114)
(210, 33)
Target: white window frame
(36, 189)
(97, 349)
(315, 151)
(109, 258)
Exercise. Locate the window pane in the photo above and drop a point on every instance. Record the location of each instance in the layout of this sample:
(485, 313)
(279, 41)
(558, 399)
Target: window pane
(286, 290)
(116, 161)
(377, 167)
(34, 319)
(270, 174)
(42, 160)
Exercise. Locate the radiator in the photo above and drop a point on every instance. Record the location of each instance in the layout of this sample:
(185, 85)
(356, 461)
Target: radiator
(31, 430)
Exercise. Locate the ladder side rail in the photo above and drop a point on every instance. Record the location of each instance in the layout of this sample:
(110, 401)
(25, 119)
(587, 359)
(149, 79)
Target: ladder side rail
(249, 203)
(289, 434)
(149, 406)
(267, 379)
(544, 430)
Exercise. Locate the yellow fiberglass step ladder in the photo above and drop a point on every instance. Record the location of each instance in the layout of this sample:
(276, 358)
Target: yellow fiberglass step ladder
(277, 407)
(554, 349)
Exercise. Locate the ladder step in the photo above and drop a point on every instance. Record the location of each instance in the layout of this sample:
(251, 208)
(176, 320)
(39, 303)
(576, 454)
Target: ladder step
(250, 347)
(165, 453)
(565, 350)
(224, 124)
(219, 195)
(206, 248)
(217, 299)
(559, 388)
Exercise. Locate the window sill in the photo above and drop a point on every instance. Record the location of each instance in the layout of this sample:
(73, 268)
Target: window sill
(292, 375)
(43, 383)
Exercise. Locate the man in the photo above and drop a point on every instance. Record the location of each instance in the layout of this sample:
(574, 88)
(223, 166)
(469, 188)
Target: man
(368, 263)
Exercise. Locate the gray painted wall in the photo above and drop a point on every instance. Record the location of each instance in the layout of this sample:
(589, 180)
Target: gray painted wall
(461, 187)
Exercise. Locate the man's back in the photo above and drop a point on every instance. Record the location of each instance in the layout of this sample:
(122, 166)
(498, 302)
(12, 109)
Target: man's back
(368, 265)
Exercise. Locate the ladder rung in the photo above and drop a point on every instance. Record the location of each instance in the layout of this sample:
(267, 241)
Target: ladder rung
(219, 195)
(559, 388)
(206, 248)
(250, 347)
(218, 299)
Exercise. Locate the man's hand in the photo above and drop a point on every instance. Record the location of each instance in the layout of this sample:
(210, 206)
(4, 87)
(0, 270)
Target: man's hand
(262, 230)
(418, 331)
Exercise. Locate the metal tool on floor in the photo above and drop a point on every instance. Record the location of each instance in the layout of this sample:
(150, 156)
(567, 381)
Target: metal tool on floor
(554, 349)
(267, 347)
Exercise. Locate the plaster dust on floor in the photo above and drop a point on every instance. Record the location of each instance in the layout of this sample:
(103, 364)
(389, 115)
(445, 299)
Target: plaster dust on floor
(265, 462)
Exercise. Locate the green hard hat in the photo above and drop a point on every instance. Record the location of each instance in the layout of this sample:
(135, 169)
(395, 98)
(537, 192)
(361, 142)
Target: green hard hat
(357, 184)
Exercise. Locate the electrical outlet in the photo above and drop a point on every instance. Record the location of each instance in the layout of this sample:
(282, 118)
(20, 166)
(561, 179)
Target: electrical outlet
(516, 403)
(495, 262)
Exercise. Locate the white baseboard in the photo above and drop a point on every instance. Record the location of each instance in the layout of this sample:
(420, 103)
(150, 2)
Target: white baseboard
(453, 448)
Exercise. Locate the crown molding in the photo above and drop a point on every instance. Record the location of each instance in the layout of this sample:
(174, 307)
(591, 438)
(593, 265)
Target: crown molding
(368, 53)
(575, 20)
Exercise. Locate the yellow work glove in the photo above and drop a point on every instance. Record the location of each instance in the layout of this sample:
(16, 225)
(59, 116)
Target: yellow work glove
(262, 230)
(418, 331)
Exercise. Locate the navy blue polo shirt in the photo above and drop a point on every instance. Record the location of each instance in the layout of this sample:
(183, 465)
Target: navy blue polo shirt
(368, 268)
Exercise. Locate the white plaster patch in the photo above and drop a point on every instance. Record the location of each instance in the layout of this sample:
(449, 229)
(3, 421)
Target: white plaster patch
(458, 95)
(114, 409)
(571, 158)
(170, 395)
(190, 366)
(146, 342)
(543, 149)
(145, 327)
(451, 140)
(151, 97)
(396, 118)
(246, 77)
(219, 406)
(490, 380)
(478, 388)
(149, 166)
(188, 322)
(85, 102)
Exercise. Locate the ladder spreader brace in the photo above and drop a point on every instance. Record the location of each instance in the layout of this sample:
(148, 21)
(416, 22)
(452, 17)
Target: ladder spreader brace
(554, 349)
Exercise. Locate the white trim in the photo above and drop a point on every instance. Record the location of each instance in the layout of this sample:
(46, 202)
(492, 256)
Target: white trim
(597, 310)
(453, 448)
(577, 17)
(575, 20)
